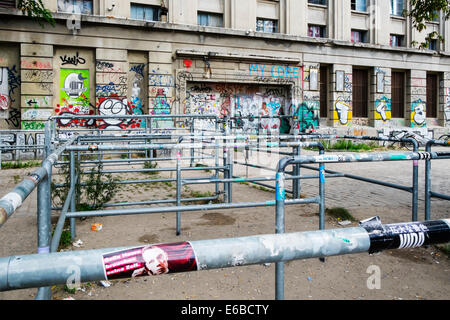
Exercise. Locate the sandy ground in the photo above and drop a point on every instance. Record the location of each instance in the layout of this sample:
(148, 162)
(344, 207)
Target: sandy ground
(407, 274)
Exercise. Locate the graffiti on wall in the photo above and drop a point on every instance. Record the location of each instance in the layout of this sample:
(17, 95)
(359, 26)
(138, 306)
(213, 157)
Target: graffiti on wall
(137, 97)
(244, 102)
(161, 106)
(21, 139)
(116, 106)
(342, 113)
(418, 113)
(447, 105)
(383, 109)
(308, 115)
(74, 97)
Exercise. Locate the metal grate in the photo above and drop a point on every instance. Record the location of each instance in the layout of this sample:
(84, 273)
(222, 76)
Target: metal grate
(7, 3)
(398, 95)
(360, 93)
(432, 92)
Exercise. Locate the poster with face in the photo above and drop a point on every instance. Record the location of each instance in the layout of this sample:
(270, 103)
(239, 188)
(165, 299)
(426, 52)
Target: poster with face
(150, 260)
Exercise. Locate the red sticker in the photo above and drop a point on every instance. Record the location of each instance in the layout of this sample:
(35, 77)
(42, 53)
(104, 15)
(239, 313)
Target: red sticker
(187, 63)
(150, 260)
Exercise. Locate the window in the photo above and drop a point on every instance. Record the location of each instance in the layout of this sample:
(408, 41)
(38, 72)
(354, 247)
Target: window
(266, 25)
(359, 5)
(398, 95)
(322, 2)
(210, 19)
(359, 36)
(432, 95)
(316, 31)
(433, 44)
(360, 93)
(145, 12)
(396, 40)
(7, 3)
(75, 6)
(397, 7)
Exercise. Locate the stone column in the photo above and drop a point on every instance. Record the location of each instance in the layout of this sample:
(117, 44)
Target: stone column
(444, 100)
(380, 97)
(416, 96)
(161, 83)
(112, 86)
(341, 96)
(37, 76)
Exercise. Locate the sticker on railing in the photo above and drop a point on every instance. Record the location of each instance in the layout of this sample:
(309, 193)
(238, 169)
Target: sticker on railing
(150, 260)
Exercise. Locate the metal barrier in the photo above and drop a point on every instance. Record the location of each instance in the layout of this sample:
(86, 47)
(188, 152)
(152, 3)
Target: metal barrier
(29, 271)
(280, 247)
(321, 160)
(428, 193)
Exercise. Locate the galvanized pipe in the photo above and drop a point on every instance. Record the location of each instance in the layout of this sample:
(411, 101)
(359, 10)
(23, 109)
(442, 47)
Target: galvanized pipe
(428, 192)
(28, 271)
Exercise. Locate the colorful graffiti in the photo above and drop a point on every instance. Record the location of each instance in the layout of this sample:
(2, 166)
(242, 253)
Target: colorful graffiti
(383, 109)
(418, 113)
(308, 115)
(74, 97)
(246, 103)
(161, 106)
(116, 106)
(4, 90)
(13, 138)
(342, 113)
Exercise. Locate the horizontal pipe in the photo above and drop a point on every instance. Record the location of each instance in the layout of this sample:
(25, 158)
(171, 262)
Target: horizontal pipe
(213, 206)
(351, 176)
(37, 270)
(14, 199)
(439, 195)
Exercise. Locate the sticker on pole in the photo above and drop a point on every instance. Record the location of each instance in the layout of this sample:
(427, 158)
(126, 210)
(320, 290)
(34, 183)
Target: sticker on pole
(150, 260)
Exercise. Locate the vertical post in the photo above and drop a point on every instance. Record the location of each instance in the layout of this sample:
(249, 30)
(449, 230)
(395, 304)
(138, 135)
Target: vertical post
(279, 202)
(191, 130)
(427, 183)
(415, 193)
(225, 173)
(72, 200)
(216, 176)
(178, 195)
(44, 223)
(296, 171)
(321, 193)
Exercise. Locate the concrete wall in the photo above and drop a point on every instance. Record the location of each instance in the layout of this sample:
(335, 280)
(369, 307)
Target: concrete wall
(164, 59)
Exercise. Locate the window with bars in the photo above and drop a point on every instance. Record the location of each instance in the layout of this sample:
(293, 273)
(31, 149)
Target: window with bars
(323, 91)
(396, 40)
(398, 94)
(359, 36)
(360, 93)
(322, 2)
(432, 95)
(266, 25)
(359, 5)
(75, 6)
(397, 7)
(7, 3)
(316, 31)
(210, 19)
(145, 12)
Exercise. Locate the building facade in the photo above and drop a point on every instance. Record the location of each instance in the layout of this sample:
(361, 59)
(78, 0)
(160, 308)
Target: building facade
(340, 66)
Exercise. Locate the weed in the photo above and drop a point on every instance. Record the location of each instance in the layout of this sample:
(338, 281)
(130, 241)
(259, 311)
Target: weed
(340, 213)
(20, 165)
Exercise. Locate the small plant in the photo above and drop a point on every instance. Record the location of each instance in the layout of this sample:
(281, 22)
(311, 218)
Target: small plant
(150, 165)
(339, 213)
(20, 165)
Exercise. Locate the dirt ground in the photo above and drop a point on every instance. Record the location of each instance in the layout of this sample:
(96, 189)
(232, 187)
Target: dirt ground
(407, 274)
